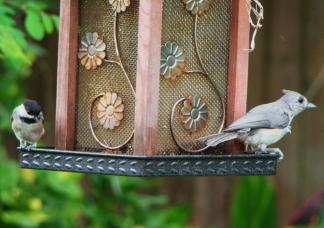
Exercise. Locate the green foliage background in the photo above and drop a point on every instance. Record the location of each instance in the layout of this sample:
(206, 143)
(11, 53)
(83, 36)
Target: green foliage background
(253, 204)
(31, 198)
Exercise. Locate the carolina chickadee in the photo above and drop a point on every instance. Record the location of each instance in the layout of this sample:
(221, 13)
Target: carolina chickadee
(27, 122)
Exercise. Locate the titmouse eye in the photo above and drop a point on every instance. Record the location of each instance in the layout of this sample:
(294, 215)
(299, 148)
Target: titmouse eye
(301, 100)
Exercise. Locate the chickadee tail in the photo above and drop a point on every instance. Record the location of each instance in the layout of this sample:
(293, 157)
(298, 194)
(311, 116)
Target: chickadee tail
(216, 139)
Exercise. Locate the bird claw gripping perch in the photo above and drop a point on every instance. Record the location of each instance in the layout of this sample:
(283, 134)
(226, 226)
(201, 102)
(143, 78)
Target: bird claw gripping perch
(271, 151)
(277, 151)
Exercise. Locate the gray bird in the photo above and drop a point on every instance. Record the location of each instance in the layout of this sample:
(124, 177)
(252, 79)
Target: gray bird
(265, 124)
(27, 122)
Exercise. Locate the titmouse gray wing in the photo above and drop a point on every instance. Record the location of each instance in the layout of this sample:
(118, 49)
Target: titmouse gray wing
(272, 115)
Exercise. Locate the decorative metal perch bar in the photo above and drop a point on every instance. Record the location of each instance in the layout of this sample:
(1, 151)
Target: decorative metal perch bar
(125, 165)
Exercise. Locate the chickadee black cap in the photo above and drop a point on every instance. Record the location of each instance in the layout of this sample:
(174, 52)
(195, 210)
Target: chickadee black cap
(32, 107)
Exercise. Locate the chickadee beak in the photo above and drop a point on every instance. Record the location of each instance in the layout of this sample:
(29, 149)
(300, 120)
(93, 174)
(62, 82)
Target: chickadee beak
(36, 118)
(310, 105)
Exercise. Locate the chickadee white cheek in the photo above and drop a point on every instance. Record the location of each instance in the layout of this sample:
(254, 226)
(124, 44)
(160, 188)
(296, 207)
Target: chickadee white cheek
(21, 112)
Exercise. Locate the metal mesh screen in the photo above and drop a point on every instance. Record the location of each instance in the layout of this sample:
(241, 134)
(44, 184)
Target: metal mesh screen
(97, 16)
(213, 39)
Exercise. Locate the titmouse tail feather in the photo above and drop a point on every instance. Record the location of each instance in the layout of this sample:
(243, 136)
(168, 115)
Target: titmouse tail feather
(206, 138)
(220, 138)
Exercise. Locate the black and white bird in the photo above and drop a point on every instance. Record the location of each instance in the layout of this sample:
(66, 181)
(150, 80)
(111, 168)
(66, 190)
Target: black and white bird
(265, 124)
(27, 122)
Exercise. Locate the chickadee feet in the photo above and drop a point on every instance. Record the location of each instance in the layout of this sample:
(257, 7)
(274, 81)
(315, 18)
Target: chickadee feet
(27, 146)
(22, 144)
(31, 146)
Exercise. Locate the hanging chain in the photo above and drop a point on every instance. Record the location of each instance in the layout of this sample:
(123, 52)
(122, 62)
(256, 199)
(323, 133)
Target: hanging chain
(255, 13)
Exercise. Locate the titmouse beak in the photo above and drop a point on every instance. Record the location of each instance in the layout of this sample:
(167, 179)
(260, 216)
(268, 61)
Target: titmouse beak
(310, 105)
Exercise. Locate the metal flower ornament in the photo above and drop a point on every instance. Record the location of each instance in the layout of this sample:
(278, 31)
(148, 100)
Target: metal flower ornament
(110, 110)
(197, 7)
(194, 113)
(119, 5)
(92, 51)
(173, 61)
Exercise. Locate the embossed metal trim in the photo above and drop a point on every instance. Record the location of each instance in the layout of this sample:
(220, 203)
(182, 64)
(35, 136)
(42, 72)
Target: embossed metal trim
(125, 165)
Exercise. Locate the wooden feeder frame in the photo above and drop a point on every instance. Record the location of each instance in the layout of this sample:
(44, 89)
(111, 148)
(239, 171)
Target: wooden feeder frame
(144, 161)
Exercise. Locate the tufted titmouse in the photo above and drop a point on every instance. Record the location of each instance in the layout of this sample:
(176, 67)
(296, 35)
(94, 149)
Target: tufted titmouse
(265, 124)
(27, 122)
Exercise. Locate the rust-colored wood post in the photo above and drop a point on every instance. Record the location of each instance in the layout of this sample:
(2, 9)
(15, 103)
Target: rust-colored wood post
(66, 77)
(238, 64)
(147, 78)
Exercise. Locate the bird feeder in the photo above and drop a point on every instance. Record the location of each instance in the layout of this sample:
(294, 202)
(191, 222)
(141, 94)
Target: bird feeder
(139, 81)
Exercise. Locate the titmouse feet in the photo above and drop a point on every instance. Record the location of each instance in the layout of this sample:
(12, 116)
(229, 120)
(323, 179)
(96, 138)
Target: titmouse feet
(273, 151)
(277, 151)
(262, 148)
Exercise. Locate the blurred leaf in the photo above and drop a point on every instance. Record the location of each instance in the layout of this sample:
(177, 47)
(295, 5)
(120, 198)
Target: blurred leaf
(6, 9)
(10, 48)
(56, 21)
(62, 183)
(47, 22)
(116, 185)
(35, 204)
(321, 219)
(253, 204)
(24, 218)
(36, 5)
(28, 176)
(8, 180)
(34, 25)
(172, 218)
